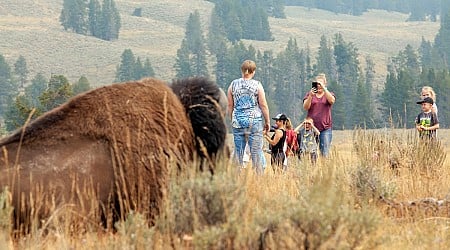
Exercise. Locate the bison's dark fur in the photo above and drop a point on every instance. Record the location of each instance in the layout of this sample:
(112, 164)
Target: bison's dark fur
(107, 151)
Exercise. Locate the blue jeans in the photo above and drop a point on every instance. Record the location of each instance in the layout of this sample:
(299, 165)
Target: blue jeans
(254, 137)
(325, 138)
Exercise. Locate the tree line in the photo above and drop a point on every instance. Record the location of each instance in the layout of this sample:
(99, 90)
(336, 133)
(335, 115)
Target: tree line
(286, 76)
(22, 99)
(91, 18)
(418, 10)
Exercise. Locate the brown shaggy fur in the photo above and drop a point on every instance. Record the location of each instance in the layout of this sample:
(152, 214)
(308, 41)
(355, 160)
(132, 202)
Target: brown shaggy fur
(109, 149)
(202, 101)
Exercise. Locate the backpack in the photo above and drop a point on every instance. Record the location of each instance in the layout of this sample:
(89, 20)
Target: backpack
(292, 142)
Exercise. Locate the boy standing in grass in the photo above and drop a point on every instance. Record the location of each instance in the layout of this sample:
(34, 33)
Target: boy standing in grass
(427, 121)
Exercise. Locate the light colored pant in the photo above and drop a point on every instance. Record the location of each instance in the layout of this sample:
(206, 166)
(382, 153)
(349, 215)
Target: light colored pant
(254, 137)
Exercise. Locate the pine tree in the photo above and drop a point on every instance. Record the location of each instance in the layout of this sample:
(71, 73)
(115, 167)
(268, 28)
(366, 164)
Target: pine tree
(390, 107)
(58, 92)
(362, 112)
(216, 36)
(442, 88)
(193, 50)
(275, 8)
(426, 54)
(183, 62)
(265, 71)
(82, 85)
(138, 69)
(339, 111)
(126, 69)
(95, 15)
(221, 64)
(309, 68)
(24, 105)
(8, 88)
(110, 21)
(442, 39)
(372, 104)
(229, 14)
(74, 17)
(288, 86)
(399, 98)
(21, 70)
(346, 56)
(418, 10)
(325, 59)
(35, 89)
(148, 70)
(18, 112)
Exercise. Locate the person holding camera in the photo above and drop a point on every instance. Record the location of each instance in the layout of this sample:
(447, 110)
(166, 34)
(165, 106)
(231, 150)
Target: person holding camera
(318, 101)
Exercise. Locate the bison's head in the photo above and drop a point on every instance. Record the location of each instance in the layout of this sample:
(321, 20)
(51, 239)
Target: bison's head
(205, 104)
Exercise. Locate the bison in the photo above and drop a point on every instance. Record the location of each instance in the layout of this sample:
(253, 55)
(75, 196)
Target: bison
(108, 151)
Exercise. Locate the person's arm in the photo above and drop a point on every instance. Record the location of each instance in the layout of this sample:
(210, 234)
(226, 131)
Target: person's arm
(276, 138)
(417, 122)
(299, 127)
(434, 108)
(434, 127)
(315, 130)
(330, 97)
(230, 102)
(264, 107)
(434, 121)
(307, 100)
(418, 127)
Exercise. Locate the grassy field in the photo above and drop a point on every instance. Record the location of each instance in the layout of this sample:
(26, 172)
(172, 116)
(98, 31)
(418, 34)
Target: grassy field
(381, 189)
(32, 29)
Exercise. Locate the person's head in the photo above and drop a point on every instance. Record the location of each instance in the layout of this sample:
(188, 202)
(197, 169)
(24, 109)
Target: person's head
(428, 91)
(321, 78)
(248, 68)
(427, 104)
(288, 124)
(308, 122)
(280, 120)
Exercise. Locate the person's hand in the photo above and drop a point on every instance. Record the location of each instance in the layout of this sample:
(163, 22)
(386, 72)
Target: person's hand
(266, 128)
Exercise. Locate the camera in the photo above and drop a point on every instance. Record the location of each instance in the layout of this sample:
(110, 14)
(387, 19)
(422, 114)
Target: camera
(314, 86)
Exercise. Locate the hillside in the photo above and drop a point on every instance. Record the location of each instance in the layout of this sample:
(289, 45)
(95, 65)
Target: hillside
(31, 28)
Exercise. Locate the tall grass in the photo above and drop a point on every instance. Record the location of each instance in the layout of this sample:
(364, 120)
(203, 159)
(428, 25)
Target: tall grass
(344, 202)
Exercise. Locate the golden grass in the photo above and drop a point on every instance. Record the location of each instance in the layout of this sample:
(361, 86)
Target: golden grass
(334, 204)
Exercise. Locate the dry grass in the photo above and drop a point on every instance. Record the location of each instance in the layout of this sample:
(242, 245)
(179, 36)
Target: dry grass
(31, 29)
(331, 205)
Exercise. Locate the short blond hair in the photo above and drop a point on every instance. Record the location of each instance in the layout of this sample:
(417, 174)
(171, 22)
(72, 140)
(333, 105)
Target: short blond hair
(248, 67)
(309, 120)
(322, 76)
